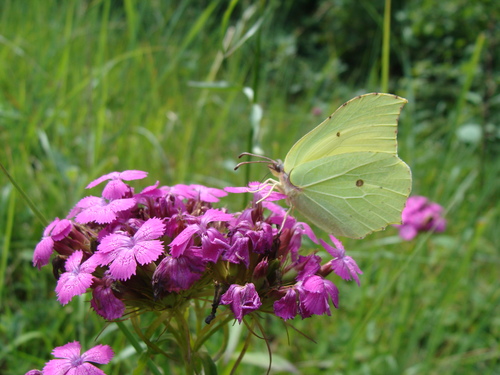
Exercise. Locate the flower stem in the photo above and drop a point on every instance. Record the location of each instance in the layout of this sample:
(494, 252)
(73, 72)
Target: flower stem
(137, 346)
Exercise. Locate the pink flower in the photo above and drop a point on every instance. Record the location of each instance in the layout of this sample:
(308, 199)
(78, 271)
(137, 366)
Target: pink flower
(420, 215)
(180, 273)
(116, 188)
(287, 307)
(343, 265)
(77, 278)
(101, 210)
(55, 231)
(71, 362)
(123, 252)
(315, 294)
(198, 192)
(103, 301)
(241, 300)
(212, 240)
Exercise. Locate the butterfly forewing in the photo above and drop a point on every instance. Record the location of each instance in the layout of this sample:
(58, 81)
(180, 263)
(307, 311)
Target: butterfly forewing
(365, 123)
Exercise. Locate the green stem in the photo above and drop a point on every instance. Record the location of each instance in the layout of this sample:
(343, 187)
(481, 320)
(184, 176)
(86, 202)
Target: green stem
(246, 345)
(184, 340)
(384, 80)
(28, 201)
(137, 346)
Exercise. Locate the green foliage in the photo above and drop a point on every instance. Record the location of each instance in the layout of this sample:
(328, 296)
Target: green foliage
(90, 87)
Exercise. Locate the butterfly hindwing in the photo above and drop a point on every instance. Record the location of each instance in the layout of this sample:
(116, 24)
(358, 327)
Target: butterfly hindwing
(352, 194)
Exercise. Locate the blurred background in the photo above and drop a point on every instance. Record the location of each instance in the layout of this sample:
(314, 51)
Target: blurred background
(181, 88)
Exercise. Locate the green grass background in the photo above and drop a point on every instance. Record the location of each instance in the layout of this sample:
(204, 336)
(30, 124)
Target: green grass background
(90, 87)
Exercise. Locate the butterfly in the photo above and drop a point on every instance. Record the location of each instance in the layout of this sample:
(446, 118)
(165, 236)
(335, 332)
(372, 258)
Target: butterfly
(345, 175)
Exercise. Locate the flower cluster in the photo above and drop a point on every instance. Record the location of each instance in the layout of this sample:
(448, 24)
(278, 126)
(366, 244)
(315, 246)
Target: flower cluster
(70, 361)
(166, 245)
(420, 215)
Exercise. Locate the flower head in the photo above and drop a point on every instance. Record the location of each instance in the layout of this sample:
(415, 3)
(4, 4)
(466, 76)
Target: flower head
(101, 210)
(55, 231)
(343, 265)
(104, 302)
(122, 252)
(286, 307)
(420, 215)
(241, 300)
(77, 278)
(167, 245)
(116, 188)
(314, 295)
(70, 361)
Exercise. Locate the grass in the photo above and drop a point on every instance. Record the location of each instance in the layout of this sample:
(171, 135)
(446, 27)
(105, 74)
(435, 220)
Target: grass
(89, 87)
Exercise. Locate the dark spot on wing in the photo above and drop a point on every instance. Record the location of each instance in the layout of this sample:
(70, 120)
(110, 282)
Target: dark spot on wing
(338, 134)
(359, 183)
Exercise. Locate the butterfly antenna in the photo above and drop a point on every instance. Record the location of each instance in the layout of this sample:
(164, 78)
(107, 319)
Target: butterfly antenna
(266, 159)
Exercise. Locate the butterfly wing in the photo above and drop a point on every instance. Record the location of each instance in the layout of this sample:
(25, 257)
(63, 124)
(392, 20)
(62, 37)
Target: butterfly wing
(365, 123)
(352, 194)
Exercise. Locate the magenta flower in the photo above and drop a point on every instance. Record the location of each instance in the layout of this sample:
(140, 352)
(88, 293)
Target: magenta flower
(307, 266)
(248, 235)
(101, 210)
(164, 246)
(123, 252)
(420, 215)
(287, 307)
(71, 362)
(116, 188)
(55, 231)
(212, 241)
(239, 251)
(198, 192)
(242, 300)
(104, 302)
(77, 278)
(34, 372)
(176, 274)
(343, 265)
(314, 296)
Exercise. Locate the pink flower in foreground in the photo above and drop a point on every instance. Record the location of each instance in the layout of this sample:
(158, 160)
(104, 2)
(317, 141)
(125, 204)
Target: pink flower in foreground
(55, 231)
(71, 362)
(123, 252)
(420, 215)
(100, 210)
(77, 278)
(116, 188)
